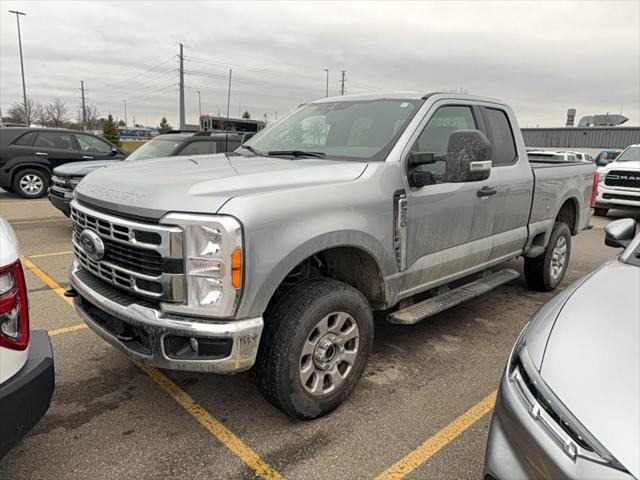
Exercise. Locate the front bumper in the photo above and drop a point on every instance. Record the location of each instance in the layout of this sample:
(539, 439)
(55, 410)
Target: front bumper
(610, 197)
(149, 335)
(519, 448)
(26, 396)
(61, 199)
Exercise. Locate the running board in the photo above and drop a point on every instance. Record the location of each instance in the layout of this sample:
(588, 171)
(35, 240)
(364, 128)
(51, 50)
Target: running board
(431, 306)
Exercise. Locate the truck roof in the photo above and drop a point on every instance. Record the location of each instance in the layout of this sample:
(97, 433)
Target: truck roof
(408, 95)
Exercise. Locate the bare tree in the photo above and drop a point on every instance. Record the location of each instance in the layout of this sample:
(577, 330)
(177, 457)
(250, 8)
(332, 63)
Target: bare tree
(57, 112)
(40, 115)
(16, 111)
(92, 114)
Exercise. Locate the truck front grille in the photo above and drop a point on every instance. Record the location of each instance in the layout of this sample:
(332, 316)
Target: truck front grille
(622, 178)
(145, 259)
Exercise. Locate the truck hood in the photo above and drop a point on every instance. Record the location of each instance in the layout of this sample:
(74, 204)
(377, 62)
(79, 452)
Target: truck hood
(591, 359)
(80, 169)
(203, 183)
(632, 165)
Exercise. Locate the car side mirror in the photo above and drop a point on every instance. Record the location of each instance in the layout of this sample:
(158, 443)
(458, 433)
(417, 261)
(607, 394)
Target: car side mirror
(619, 234)
(114, 151)
(469, 156)
(246, 136)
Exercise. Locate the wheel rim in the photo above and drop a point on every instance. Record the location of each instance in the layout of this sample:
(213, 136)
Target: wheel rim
(31, 184)
(329, 353)
(558, 258)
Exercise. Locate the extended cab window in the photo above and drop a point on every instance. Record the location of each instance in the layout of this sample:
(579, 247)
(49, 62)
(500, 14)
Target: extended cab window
(199, 148)
(92, 144)
(504, 147)
(435, 136)
(62, 141)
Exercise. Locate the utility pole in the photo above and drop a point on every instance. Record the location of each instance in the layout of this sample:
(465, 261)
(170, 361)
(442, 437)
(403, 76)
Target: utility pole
(84, 107)
(326, 90)
(226, 125)
(125, 112)
(182, 121)
(27, 113)
(342, 82)
(199, 105)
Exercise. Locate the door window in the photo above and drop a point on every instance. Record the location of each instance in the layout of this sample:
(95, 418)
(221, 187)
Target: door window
(60, 140)
(93, 144)
(435, 136)
(504, 147)
(199, 148)
(26, 139)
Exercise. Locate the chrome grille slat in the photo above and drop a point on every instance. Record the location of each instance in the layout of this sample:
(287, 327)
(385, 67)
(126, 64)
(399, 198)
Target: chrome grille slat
(152, 270)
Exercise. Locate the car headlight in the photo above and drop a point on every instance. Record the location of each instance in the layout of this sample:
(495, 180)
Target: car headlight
(551, 414)
(212, 248)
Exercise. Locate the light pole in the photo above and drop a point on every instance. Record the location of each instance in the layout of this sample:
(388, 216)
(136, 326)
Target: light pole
(24, 88)
(125, 112)
(326, 91)
(199, 106)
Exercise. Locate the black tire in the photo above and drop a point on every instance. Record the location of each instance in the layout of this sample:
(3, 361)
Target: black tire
(288, 327)
(25, 189)
(600, 212)
(541, 273)
(8, 189)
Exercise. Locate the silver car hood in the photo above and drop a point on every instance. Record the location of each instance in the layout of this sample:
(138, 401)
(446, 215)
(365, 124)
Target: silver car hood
(203, 183)
(80, 169)
(592, 359)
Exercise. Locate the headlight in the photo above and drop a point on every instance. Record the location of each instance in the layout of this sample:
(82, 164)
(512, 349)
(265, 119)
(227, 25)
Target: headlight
(551, 414)
(213, 264)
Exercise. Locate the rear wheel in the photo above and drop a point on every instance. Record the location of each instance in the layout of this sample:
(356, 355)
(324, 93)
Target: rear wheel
(600, 212)
(314, 348)
(544, 273)
(31, 183)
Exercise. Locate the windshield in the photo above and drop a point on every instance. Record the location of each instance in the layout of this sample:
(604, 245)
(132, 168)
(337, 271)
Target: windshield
(154, 148)
(348, 130)
(631, 154)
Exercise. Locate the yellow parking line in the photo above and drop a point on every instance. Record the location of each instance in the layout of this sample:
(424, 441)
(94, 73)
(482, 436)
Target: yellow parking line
(53, 254)
(71, 328)
(215, 427)
(434, 444)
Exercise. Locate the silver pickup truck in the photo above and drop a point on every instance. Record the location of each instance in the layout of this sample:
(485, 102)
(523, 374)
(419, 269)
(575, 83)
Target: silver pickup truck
(277, 254)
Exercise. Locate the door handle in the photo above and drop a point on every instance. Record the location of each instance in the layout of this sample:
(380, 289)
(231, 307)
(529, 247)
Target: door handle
(42, 153)
(487, 191)
(87, 157)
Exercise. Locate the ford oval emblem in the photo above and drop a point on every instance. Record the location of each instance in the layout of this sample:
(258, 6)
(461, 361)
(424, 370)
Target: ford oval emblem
(91, 244)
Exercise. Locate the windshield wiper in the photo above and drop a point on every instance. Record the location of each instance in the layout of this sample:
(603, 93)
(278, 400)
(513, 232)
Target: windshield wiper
(296, 153)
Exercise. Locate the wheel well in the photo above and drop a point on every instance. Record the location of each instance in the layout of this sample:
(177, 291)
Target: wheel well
(350, 265)
(568, 214)
(20, 168)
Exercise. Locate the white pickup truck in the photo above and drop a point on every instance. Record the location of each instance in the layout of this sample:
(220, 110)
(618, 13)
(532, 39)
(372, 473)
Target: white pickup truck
(619, 185)
(26, 358)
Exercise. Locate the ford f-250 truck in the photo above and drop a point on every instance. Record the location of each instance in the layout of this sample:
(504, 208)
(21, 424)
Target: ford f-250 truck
(277, 254)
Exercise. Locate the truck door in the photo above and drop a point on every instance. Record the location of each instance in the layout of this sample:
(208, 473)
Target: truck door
(515, 184)
(449, 225)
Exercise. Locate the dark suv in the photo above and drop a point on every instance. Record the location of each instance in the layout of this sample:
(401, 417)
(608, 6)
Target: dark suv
(29, 155)
(66, 177)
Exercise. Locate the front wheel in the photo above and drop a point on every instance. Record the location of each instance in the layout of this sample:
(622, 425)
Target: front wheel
(31, 183)
(314, 348)
(544, 273)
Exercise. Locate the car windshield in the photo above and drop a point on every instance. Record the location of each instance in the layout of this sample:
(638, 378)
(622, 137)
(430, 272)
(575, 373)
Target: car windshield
(631, 154)
(155, 148)
(611, 155)
(345, 130)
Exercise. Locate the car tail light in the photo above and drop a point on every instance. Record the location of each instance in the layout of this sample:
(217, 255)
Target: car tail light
(14, 308)
(594, 188)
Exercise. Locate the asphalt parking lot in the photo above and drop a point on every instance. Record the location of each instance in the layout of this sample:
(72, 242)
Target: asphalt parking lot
(422, 409)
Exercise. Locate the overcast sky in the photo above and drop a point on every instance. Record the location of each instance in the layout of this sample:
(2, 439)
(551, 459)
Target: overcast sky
(542, 57)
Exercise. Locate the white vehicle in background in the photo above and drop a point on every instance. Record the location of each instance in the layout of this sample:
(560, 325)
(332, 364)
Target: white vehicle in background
(580, 155)
(554, 156)
(619, 185)
(26, 358)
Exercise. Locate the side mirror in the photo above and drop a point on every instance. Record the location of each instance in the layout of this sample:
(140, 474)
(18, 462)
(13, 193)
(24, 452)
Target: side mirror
(247, 136)
(420, 158)
(469, 156)
(114, 151)
(619, 234)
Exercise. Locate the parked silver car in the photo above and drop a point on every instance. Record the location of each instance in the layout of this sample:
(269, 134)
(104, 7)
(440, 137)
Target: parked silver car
(569, 400)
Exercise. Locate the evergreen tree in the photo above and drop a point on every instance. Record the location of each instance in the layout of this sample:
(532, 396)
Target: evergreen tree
(164, 126)
(110, 131)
